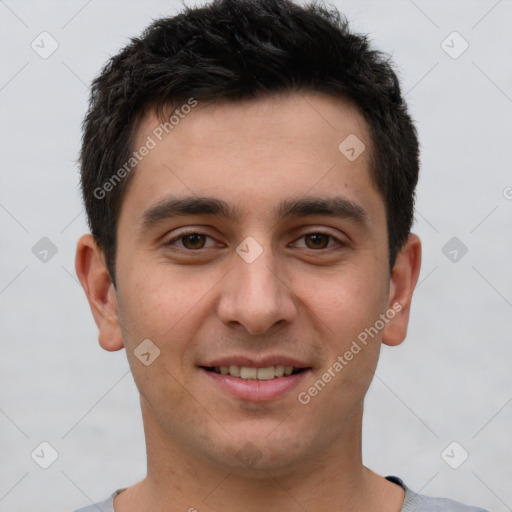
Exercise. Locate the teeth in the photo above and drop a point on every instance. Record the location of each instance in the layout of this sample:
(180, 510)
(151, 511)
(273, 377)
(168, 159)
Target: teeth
(234, 371)
(265, 373)
(279, 371)
(246, 372)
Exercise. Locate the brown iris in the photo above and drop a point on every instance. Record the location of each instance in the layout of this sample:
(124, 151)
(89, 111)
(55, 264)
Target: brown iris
(316, 239)
(196, 240)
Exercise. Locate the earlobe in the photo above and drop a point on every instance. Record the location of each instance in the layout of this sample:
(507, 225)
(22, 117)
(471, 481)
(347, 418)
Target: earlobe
(99, 290)
(403, 281)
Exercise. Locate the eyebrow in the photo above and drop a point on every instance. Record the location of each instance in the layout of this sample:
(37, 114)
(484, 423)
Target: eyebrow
(175, 206)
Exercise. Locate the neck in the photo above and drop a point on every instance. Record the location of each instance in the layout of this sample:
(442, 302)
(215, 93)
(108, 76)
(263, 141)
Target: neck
(180, 480)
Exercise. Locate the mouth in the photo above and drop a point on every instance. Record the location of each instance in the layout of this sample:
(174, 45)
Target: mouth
(252, 373)
(257, 381)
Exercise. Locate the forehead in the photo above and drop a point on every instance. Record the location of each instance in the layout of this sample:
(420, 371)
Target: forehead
(255, 152)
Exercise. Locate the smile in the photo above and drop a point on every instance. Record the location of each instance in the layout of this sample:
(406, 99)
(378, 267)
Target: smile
(246, 372)
(256, 383)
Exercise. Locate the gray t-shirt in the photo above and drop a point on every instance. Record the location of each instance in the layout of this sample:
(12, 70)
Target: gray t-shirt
(413, 502)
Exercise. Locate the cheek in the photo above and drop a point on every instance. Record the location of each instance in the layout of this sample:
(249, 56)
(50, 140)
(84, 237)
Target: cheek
(156, 308)
(345, 307)
(155, 302)
(346, 302)
(168, 310)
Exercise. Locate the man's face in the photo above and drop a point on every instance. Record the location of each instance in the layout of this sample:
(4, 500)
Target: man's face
(259, 289)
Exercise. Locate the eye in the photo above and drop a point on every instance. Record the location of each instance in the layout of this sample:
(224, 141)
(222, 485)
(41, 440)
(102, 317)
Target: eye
(190, 241)
(318, 240)
(195, 241)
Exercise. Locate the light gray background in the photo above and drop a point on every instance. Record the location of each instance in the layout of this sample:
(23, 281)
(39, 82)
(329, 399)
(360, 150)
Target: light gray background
(450, 380)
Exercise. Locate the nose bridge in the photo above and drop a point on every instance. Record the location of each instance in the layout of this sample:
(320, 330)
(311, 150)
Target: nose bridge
(258, 278)
(256, 296)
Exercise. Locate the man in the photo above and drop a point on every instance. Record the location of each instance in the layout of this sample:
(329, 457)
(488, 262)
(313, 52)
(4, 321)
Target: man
(248, 170)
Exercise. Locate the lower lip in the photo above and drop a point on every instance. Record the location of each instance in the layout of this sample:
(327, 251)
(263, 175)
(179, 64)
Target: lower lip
(256, 390)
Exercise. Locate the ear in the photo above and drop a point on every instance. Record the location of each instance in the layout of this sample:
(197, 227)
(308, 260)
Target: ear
(99, 290)
(403, 281)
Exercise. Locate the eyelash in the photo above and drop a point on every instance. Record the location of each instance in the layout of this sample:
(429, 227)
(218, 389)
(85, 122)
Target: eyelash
(187, 233)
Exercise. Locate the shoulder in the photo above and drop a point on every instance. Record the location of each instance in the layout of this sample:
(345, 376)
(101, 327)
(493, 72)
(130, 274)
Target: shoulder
(104, 506)
(420, 503)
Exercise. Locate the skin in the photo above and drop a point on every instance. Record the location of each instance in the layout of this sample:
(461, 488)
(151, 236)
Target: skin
(295, 299)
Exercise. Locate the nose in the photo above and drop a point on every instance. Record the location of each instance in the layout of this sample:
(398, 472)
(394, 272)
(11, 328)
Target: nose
(255, 294)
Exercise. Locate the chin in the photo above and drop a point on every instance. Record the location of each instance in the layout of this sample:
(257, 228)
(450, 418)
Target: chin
(257, 455)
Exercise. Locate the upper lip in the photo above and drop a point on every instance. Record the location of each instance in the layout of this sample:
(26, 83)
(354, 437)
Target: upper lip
(252, 362)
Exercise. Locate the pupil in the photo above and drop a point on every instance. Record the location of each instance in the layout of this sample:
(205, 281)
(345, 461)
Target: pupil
(317, 239)
(194, 238)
